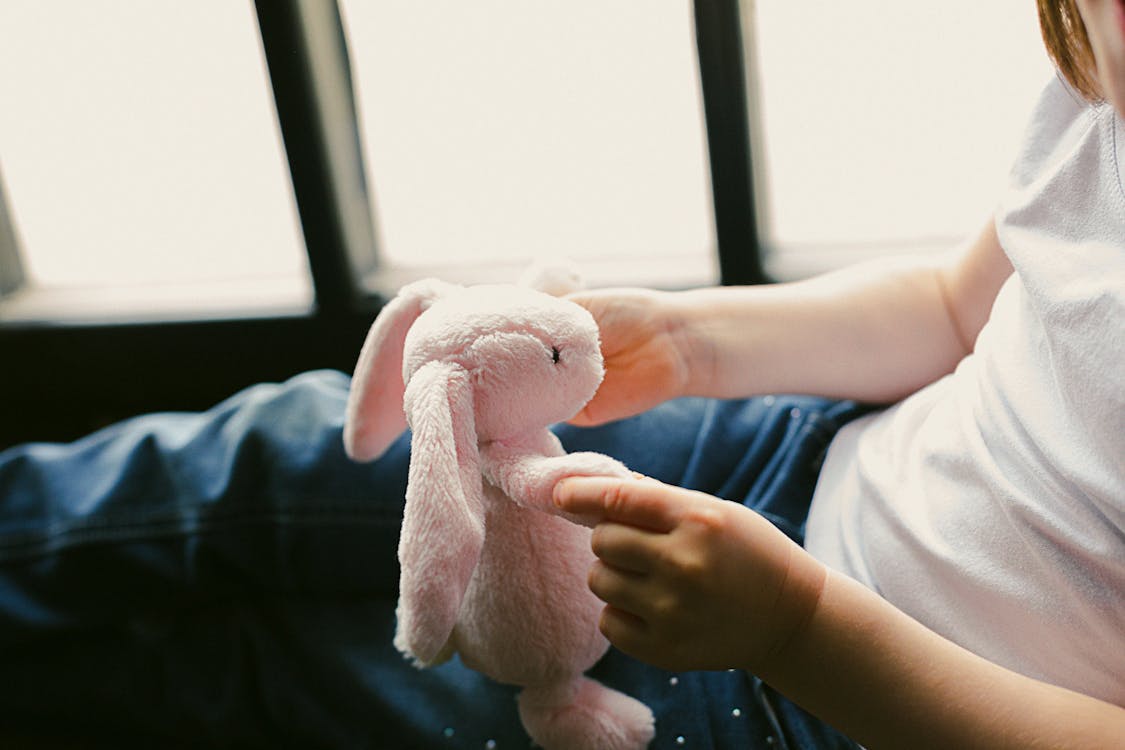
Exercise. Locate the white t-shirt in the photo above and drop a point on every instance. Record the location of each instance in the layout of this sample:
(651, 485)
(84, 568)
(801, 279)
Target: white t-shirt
(990, 505)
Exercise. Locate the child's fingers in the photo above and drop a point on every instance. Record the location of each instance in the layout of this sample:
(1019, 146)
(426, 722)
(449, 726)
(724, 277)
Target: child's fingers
(636, 502)
(623, 629)
(623, 547)
(621, 589)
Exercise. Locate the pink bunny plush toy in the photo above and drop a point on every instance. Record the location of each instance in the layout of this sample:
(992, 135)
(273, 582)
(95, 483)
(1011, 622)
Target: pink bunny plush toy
(490, 568)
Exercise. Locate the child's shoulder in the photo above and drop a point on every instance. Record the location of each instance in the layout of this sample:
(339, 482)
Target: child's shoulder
(1061, 222)
(1060, 124)
(1066, 192)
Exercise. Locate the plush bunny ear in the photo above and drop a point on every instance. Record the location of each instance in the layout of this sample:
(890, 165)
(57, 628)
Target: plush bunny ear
(443, 523)
(374, 414)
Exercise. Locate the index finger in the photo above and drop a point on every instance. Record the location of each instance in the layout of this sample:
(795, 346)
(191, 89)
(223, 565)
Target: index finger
(641, 502)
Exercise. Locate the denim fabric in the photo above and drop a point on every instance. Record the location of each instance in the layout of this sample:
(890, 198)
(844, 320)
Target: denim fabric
(229, 578)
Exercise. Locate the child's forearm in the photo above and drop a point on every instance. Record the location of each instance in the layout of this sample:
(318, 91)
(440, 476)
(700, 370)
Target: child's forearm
(888, 681)
(875, 332)
(872, 333)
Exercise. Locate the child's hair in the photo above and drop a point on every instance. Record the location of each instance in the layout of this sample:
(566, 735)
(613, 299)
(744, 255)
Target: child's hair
(1068, 45)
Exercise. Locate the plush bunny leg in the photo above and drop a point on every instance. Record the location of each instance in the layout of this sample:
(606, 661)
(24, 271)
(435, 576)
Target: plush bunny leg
(584, 715)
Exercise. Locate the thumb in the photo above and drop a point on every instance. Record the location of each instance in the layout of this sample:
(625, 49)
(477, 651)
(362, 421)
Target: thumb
(583, 418)
(612, 401)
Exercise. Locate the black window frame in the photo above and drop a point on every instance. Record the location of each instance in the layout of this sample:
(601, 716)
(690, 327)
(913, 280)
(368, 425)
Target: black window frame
(60, 380)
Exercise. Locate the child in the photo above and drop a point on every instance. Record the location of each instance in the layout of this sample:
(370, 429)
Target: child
(229, 577)
(989, 504)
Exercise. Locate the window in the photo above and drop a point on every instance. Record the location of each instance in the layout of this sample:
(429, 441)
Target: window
(144, 165)
(142, 162)
(496, 132)
(265, 173)
(886, 127)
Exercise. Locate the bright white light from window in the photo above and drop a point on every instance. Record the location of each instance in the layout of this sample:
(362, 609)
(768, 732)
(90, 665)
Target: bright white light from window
(140, 145)
(497, 131)
(891, 124)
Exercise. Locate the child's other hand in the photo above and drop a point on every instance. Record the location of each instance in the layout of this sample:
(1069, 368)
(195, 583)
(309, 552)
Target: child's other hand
(647, 357)
(690, 581)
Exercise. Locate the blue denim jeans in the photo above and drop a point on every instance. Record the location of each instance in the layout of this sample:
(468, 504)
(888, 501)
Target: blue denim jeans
(229, 578)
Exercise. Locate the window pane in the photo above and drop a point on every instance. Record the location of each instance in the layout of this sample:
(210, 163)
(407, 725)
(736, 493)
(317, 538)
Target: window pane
(890, 124)
(498, 131)
(140, 147)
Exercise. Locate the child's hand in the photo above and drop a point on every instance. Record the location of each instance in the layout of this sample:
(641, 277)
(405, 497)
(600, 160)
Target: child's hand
(646, 352)
(692, 582)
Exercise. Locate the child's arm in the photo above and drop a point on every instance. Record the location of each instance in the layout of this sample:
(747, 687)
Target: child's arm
(875, 332)
(692, 582)
(880, 676)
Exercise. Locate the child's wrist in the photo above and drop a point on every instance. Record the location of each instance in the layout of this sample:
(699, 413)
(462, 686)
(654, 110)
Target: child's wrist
(798, 602)
(687, 325)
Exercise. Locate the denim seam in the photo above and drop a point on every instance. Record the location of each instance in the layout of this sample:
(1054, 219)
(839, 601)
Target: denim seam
(122, 528)
(772, 717)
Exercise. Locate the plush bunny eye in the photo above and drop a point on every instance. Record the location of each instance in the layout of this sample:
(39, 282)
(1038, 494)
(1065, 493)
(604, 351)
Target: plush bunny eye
(555, 354)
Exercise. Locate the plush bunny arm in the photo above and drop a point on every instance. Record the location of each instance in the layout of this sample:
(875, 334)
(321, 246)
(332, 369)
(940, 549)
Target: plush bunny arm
(443, 523)
(527, 469)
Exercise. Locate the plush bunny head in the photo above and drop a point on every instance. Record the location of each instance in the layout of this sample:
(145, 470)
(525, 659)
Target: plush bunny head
(510, 359)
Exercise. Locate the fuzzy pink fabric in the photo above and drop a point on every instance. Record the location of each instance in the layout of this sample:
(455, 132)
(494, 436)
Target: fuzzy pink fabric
(489, 568)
